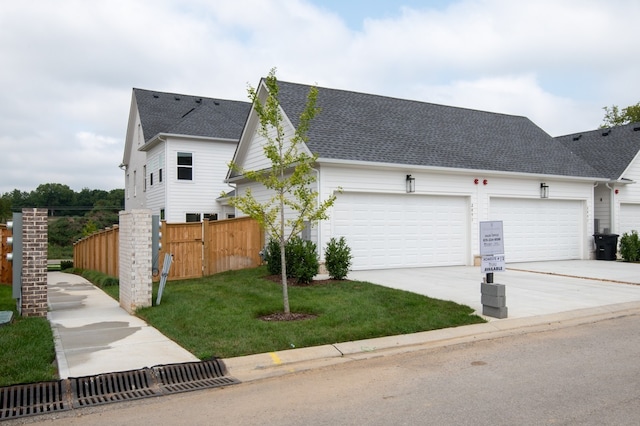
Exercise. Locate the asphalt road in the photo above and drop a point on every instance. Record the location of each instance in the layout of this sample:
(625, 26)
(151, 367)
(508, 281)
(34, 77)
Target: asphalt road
(582, 375)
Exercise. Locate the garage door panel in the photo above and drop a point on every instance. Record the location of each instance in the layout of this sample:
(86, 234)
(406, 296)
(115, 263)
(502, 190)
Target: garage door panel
(538, 229)
(403, 230)
(629, 218)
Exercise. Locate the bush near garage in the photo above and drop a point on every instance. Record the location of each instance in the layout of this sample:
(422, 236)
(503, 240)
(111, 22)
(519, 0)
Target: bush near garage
(630, 247)
(337, 257)
(301, 258)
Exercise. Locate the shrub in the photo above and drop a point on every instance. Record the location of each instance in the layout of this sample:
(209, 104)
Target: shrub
(66, 264)
(301, 258)
(630, 247)
(272, 257)
(337, 258)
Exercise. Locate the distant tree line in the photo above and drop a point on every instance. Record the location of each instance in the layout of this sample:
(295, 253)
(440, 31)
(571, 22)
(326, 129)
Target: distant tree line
(72, 214)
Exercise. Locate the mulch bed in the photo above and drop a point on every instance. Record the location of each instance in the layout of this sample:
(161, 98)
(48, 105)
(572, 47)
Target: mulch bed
(292, 316)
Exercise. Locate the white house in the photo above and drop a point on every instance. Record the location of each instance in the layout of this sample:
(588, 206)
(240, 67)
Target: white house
(418, 178)
(615, 153)
(177, 152)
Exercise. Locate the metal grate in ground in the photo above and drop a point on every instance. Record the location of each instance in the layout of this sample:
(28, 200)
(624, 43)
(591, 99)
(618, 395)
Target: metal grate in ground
(78, 392)
(113, 387)
(192, 376)
(31, 399)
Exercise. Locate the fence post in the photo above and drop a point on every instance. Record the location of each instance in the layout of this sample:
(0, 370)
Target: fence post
(135, 259)
(34, 263)
(206, 247)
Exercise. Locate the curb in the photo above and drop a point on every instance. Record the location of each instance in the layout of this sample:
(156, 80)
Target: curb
(273, 364)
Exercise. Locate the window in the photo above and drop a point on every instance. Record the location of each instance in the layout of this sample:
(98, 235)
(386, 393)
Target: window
(161, 214)
(144, 172)
(193, 217)
(151, 179)
(160, 175)
(135, 182)
(185, 166)
(231, 216)
(128, 185)
(211, 216)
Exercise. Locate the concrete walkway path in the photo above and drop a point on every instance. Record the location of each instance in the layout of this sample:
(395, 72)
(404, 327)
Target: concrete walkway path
(94, 335)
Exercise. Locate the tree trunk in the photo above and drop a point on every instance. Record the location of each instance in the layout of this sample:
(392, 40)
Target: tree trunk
(283, 261)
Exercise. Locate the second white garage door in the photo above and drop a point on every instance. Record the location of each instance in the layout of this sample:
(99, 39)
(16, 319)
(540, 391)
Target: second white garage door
(537, 229)
(629, 218)
(402, 230)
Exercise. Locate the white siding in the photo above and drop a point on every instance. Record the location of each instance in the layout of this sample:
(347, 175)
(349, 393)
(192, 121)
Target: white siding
(391, 180)
(210, 160)
(135, 196)
(156, 192)
(627, 196)
(255, 159)
(470, 196)
(602, 207)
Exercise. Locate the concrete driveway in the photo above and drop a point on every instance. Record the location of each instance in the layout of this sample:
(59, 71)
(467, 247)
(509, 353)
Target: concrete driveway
(535, 288)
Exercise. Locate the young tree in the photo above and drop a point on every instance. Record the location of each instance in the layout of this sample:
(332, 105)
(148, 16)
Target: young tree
(290, 178)
(615, 116)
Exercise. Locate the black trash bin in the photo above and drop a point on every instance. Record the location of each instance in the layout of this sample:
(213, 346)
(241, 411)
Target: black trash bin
(606, 246)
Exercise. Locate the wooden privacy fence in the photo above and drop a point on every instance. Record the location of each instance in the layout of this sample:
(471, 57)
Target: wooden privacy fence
(98, 251)
(5, 266)
(198, 248)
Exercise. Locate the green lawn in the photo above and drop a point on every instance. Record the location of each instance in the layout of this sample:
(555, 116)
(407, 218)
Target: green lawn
(219, 315)
(26, 346)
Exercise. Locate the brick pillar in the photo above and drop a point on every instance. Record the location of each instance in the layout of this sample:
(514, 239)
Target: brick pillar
(135, 259)
(33, 302)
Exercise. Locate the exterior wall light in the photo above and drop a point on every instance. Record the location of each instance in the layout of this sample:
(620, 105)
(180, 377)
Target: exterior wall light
(544, 190)
(411, 184)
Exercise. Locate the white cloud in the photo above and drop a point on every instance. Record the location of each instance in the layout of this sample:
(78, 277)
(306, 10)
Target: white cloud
(69, 65)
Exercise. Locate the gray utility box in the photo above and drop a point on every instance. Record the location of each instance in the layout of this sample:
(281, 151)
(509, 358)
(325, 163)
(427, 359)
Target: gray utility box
(494, 300)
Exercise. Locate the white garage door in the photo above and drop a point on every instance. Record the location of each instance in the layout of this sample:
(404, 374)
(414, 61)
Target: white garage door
(629, 218)
(403, 230)
(540, 229)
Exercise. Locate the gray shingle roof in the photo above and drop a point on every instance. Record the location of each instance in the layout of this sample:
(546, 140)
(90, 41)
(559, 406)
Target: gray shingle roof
(371, 128)
(190, 115)
(610, 151)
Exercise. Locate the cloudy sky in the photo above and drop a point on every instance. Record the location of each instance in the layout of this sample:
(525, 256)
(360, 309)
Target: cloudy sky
(68, 66)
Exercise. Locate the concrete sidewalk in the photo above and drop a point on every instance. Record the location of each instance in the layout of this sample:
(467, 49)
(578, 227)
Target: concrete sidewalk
(94, 335)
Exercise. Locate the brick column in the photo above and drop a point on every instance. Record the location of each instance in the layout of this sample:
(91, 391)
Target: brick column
(33, 302)
(135, 259)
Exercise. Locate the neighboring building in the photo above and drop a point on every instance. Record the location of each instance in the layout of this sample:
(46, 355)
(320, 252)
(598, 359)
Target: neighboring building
(466, 166)
(615, 153)
(177, 152)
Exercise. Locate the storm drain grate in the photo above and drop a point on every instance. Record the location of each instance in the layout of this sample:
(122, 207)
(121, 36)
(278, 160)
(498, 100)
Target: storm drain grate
(77, 392)
(174, 378)
(113, 387)
(31, 399)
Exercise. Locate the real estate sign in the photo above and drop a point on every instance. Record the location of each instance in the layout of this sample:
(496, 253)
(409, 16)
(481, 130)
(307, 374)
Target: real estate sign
(492, 247)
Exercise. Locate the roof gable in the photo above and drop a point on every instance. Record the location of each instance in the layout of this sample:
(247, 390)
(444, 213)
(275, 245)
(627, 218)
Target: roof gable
(610, 151)
(189, 115)
(363, 127)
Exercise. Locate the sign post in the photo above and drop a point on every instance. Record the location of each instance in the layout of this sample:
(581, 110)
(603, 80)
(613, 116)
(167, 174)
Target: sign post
(492, 252)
